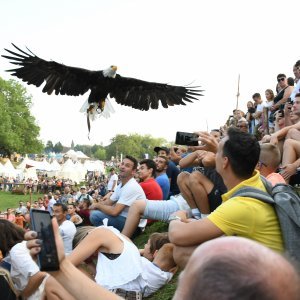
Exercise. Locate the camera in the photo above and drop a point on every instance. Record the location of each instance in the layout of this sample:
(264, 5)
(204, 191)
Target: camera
(251, 110)
(186, 138)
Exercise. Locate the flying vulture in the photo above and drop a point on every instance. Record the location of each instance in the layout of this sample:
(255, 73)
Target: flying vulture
(66, 80)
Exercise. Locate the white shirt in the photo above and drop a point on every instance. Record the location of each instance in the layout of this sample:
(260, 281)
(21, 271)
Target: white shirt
(154, 277)
(23, 267)
(127, 194)
(125, 271)
(259, 108)
(67, 231)
(111, 181)
(296, 90)
(52, 201)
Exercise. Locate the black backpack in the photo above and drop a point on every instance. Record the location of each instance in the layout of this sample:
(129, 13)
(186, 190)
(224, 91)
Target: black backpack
(287, 206)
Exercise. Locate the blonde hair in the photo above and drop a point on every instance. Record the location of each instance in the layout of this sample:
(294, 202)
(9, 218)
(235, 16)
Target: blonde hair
(270, 155)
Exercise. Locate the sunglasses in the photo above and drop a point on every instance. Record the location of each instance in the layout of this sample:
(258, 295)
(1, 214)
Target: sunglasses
(281, 79)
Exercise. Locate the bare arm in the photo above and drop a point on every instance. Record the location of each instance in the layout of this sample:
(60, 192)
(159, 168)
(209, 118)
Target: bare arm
(192, 233)
(33, 283)
(109, 210)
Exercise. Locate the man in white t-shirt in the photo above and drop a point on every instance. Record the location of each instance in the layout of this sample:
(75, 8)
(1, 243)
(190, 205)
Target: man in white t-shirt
(67, 228)
(114, 206)
(259, 108)
(113, 181)
(296, 70)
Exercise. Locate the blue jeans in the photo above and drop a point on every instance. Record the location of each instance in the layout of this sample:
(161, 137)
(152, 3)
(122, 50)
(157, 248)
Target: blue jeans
(97, 216)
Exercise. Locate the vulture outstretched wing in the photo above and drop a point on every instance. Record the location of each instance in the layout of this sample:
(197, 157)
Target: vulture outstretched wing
(59, 78)
(143, 95)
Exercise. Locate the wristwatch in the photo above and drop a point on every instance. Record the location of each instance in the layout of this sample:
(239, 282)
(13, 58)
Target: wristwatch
(174, 217)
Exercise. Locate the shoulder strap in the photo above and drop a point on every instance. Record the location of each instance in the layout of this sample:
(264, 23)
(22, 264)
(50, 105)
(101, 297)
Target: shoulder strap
(254, 193)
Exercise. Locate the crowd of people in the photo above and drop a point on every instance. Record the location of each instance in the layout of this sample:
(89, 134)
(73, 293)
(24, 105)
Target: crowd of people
(230, 246)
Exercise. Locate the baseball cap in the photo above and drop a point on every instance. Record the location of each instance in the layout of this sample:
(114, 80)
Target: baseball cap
(157, 149)
(83, 187)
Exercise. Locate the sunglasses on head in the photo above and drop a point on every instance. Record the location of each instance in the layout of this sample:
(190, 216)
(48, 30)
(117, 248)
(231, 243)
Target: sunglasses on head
(280, 79)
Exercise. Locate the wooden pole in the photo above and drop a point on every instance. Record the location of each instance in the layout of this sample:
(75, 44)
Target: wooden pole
(238, 93)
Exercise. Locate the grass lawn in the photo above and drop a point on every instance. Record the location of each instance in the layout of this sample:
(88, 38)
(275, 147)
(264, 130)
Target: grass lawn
(7, 199)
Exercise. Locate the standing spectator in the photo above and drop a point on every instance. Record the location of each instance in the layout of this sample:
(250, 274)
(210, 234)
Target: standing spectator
(283, 94)
(249, 116)
(258, 111)
(114, 206)
(67, 228)
(296, 70)
(52, 201)
(267, 124)
(113, 181)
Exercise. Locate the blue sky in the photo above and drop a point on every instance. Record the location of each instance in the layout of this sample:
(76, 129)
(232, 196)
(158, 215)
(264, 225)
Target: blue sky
(207, 43)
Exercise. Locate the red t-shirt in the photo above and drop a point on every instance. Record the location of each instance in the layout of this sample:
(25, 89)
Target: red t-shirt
(152, 189)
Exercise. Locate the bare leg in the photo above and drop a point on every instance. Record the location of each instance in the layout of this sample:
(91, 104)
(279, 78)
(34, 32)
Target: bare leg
(135, 212)
(184, 187)
(182, 254)
(200, 187)
(290, 152)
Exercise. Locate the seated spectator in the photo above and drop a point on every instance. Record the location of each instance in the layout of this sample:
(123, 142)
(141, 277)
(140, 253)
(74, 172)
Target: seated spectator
(115, 206)
(67, 228)
(21, 209)
(84, 212)
(236, 159)
(172, 171)
(201, 190)
(112, 180)
(268, 164)
(154, 210)
(74, 217)
(10, 215)
(41, 204)
(20, 220)
(84, 195)
(237, 268)
(161, 175)
(119, 263)
(29, 281)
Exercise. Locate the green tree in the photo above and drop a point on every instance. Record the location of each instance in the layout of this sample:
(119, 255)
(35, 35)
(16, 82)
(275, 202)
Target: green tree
(49, 147)
(58, 147)
(100, 154)
(18, 131)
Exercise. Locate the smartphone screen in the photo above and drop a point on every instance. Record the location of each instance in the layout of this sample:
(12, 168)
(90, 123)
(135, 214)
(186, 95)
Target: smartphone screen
(41, 223)
(186, 138)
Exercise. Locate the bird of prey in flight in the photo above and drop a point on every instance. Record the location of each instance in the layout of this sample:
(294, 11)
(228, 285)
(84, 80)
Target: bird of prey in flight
(72, 81)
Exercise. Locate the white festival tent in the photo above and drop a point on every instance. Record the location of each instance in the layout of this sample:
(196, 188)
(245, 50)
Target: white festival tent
(68, 171)
(2, 169)
(9, 169)
(55, 168)
(27, 169)
(94, 166)
(81, 155)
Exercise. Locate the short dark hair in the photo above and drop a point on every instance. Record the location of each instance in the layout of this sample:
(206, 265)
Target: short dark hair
(297, 64)
(63, 206)
(281, 75)
(291, 81)
(242, 150)
(256, 95)
(297, 95)
(150, 163)
(134, 160)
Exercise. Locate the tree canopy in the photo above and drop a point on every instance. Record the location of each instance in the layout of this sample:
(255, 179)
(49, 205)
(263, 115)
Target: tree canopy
(18, 130)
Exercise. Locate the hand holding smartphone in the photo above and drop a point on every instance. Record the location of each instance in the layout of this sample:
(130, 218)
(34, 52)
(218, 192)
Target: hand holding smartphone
(41, 223)
(186, 138)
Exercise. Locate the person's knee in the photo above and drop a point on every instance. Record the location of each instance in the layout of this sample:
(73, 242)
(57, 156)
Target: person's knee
(182, 178)
(138, 207)
(181, 255)
(96, 217)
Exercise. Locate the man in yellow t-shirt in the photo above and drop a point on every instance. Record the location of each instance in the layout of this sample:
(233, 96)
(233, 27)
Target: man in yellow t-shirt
(236, 158)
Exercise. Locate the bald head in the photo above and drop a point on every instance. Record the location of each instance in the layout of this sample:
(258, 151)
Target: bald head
(237, 268)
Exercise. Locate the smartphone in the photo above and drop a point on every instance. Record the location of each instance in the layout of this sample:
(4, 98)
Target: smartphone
(41, 223)
(186, 138)
(289, 100)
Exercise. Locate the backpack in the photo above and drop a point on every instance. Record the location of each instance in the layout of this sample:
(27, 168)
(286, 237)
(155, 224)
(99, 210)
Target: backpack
(287, 207)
